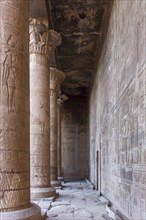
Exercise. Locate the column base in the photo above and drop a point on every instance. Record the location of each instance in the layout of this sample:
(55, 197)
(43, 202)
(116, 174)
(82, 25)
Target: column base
(39, 193)
(31, 213)
(60, 178)
(56, 183)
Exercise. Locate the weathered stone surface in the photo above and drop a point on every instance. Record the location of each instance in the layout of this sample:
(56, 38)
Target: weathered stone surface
(79, 24)
(14, 106)
(37, 9)
(60, 102)
(74, 139)
(39, 50)
(76, 208)
(14, 113)
(118, 113)
(56, 78)
(82, 213)
(30, 213)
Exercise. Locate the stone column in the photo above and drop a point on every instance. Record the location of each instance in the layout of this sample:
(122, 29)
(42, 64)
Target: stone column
(14, 113)
(60, 102)
(39, 110)
(54, 41)
(56, 78)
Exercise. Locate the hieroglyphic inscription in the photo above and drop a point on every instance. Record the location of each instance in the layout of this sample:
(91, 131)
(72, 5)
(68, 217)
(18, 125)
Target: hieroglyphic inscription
(14, 116)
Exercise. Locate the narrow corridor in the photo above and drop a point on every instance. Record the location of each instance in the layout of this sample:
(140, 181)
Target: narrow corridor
(78, 201)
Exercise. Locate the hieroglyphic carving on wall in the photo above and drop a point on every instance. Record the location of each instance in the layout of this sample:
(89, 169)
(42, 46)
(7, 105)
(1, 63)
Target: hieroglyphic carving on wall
(125, 137)
(139, 191)
(142, 117)
(74, 139)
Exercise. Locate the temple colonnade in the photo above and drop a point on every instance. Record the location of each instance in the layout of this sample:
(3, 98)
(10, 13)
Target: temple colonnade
(28, 112)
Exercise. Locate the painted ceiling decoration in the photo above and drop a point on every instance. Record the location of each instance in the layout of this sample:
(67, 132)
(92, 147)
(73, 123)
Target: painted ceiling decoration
(79, 22)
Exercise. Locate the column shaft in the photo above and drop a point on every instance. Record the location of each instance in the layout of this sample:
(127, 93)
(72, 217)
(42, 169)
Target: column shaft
(39, 111)
(53, 134)
(14, 112)
(56, 78)
(59, 174)
(60, 102)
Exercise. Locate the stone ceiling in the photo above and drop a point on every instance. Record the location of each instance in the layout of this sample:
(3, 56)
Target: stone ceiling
(79, 23)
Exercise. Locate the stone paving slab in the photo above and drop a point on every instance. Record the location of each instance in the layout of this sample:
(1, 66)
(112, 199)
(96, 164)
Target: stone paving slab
(83, 213)
(61, 216)
(76, 201)
(44, 204)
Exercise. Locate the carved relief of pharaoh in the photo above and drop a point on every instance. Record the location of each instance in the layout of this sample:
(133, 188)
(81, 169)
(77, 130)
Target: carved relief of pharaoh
(10, 73)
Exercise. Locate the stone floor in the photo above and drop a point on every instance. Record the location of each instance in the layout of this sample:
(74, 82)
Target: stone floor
(76, 200)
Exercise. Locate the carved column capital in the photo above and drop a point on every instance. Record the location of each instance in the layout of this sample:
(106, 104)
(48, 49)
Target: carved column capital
(54, 39)
(56, 78)
(39, 37)
(61, 100)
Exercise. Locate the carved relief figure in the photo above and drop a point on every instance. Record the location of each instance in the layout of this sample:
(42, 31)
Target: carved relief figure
(10, 74)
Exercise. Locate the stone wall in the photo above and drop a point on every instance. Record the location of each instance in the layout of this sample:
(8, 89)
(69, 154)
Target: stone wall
(117, 120)
(74, 139)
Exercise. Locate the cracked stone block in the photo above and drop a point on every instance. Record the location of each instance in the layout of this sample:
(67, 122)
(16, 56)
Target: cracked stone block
(63, 216)
(82, 213)
(78, 203)
(60, 209)
(63, 202)
(44, 204)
